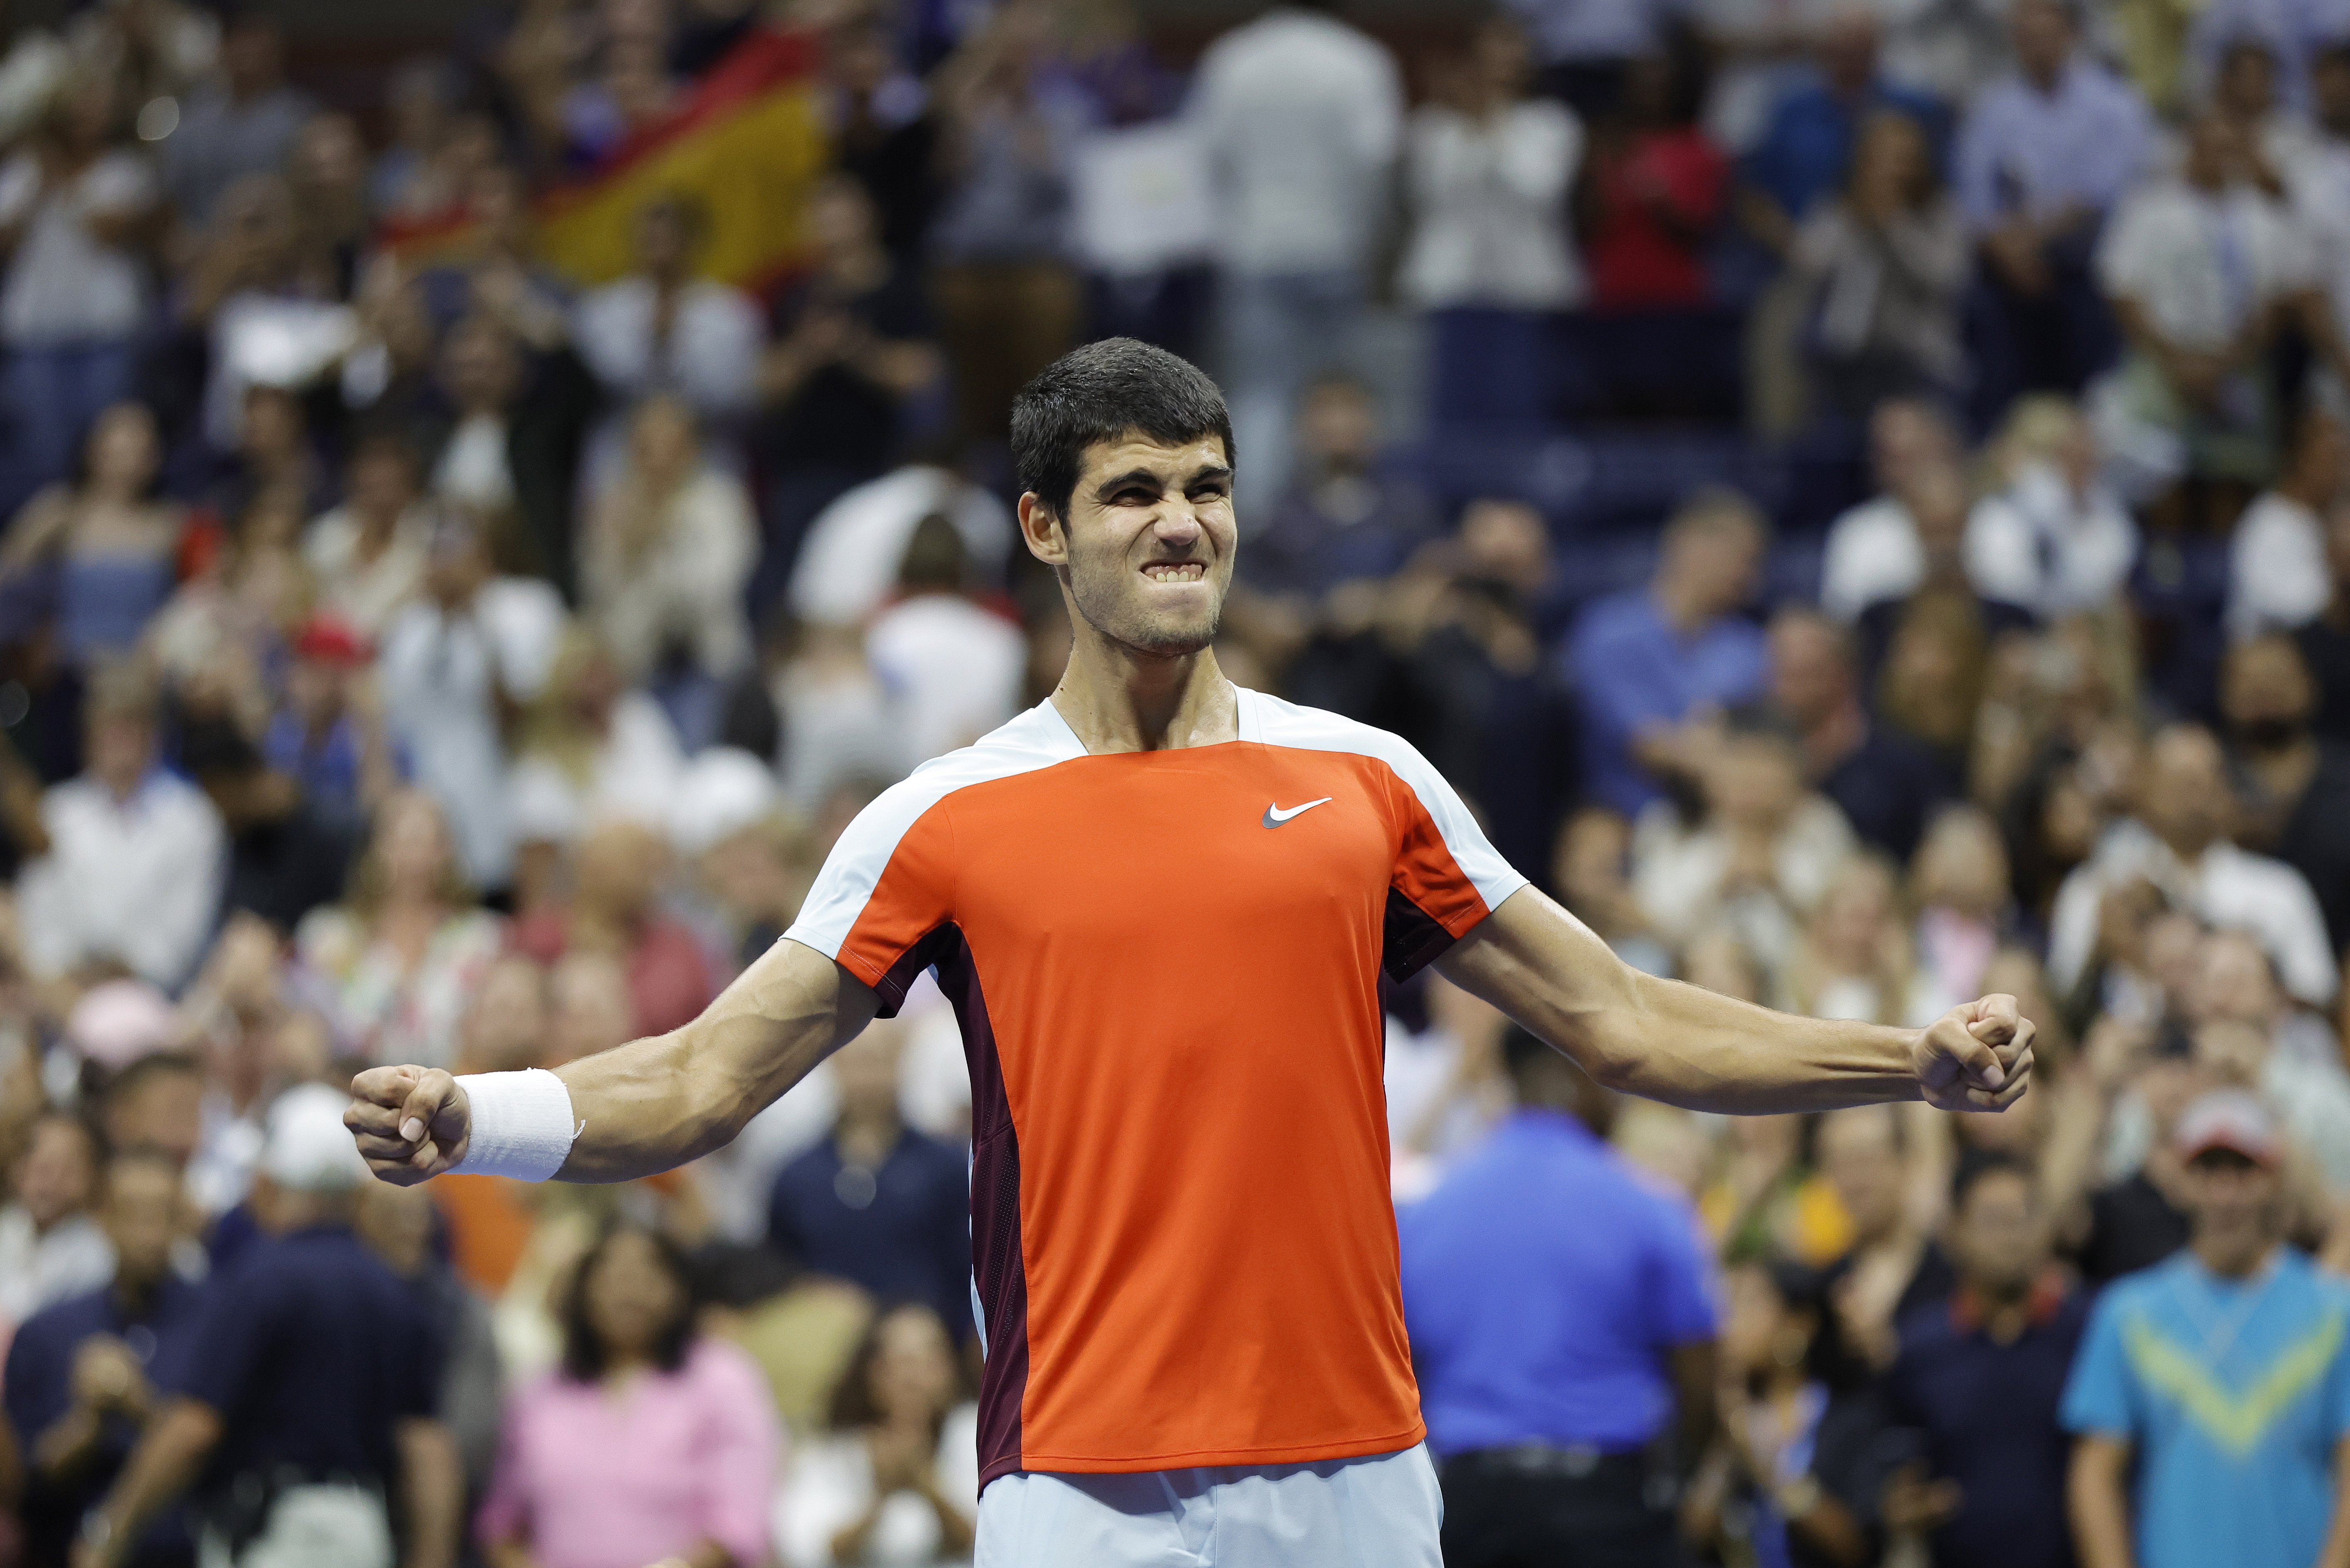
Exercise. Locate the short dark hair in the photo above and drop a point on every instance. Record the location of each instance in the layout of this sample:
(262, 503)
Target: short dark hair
(1098, 393)
(852, 1405)
(1976, 1169)
(583, 1353)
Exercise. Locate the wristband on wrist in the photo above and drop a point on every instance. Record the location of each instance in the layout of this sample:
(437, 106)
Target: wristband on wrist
(521, 1125)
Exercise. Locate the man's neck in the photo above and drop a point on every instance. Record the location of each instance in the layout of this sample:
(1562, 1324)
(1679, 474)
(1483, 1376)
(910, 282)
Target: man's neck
(1839, 732)
(1118, 700)
(2233, 1257)
(866, 1140)
(2047, 83)
(135, 1296)
(1680, 606)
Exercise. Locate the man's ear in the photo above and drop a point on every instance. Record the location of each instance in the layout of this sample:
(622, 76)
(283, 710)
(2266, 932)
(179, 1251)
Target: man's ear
(1046, 537)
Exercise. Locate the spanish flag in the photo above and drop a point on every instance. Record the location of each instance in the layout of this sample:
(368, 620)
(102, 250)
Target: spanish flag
(749, 140)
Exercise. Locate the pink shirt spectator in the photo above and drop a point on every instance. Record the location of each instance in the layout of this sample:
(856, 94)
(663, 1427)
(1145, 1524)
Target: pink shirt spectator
(597, 1478)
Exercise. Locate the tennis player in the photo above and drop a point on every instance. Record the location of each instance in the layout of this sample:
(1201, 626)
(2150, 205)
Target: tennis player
(1161, 906)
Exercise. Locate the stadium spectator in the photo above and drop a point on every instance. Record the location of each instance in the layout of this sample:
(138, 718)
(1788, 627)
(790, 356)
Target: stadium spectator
(2050, 537)
(399, 957)
(1959, 887)
(1987, 1487)
(591, 746)
(1552, 1370)
(244, 121)
(878, 1203)
(1658, 188)
(111, 542)
(1886, 1182)
(1872, 552)
(515, 427)
(133, 868)
(1347, 515)
(1646, 662)
(1302, 118)
(1488, 172)
(1884, 782)
(653, 1442)
(50, 1246)
(399, 1225)
(83, 1375)
(285, 858)
(894, 1480)
(2324, 640)
(1884, 264)
(2172, 1464)
(2294, 787)
(616, 910)
(2179, 841)
(666, 328)
(666, 552)
(304, 1414)
(2276, 557)
(76, 208)
(368, 556)
(328, 732)
(952, 668)
(2043, 155)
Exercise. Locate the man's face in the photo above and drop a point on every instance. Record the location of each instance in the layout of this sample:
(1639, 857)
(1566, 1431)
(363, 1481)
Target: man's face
(2228, 1192)
(1722, 564)
(1999, 1239)
(2186, 798)
(1858, 1156)
(1146, 546)
(2044, 37)
(1808, 678)
(142, 1216)
(120, 748)
(2265, 691)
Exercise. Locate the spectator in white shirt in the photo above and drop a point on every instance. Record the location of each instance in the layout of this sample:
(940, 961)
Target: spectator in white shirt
(2202, 272)
(1302, 117)
(666, 329)
(2177, 841)
(591, 750)
(136, 857)
(50, 1247)
(1872, 551)
(367, 556)
(472, 646)
(668, 549)
(73, 209)
(850, 558)
(952, 670)
(2053, 538)
(2277, 576)
(1488, 172)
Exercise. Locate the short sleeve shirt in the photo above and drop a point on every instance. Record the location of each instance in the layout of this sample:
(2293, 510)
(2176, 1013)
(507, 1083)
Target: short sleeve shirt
(2234, 1394)
(1166, 966)
(311, 1350)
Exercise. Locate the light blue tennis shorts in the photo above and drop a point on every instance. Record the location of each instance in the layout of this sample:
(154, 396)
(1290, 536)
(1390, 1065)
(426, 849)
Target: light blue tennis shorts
(1382, 1510)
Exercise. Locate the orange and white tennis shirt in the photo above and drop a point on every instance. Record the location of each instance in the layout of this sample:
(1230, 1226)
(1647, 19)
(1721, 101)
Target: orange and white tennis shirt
(1166, 967)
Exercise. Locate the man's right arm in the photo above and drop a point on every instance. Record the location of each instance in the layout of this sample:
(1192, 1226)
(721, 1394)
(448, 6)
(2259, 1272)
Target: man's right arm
(2096, 1493)
(653, 1104)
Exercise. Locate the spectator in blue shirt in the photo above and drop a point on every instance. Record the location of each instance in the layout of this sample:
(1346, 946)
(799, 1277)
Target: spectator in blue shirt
(306, 1407)
(1647, 661)
(879, 1204)
(2044, 154)
(1562, 1324)
(1805, 150)
(82, 1375)
(1978, 1379)
(2212, 1394)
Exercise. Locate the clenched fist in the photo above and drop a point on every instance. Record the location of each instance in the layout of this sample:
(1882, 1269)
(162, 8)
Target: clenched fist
(411, 1123)
(1975, 1057)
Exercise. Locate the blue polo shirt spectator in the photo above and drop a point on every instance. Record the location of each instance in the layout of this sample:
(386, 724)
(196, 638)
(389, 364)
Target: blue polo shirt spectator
(1644, 662)
(877, 1203)
(1805, 147)
(1978, 1379)
(1546, 1349)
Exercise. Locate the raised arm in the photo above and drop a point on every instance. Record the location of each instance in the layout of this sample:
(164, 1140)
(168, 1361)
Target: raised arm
(653, 1104)
(1675, 1042)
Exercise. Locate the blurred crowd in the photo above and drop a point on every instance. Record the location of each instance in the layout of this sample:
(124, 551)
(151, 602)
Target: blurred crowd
(414, 650)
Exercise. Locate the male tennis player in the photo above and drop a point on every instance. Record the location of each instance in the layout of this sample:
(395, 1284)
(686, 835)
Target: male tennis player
(1161, 906)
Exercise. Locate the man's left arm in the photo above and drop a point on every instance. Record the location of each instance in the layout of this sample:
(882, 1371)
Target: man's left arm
(159, 1468)
(1685, 1046)
(431, 1491)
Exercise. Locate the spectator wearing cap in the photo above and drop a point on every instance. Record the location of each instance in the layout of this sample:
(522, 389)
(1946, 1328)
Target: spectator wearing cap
(306, 1413)
(83, 1375)
(368, 557)
(1978, 1378)
(327, 733)
(1645, 661)
(1554, 1359)
(135, 857)
(2212, 1396)
(2178, 839)
(50, 1248)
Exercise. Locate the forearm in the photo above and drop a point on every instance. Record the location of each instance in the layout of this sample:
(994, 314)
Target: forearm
(2101, 1529)
(659, 1103)
(432, 1488)
(159, 1468)
(2335, 1552)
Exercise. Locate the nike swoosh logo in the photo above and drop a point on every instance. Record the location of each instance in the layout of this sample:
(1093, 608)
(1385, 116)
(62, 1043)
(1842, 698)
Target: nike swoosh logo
(1274, 815)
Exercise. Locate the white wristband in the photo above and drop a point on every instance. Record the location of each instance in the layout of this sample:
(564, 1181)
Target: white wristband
(521, 1125)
